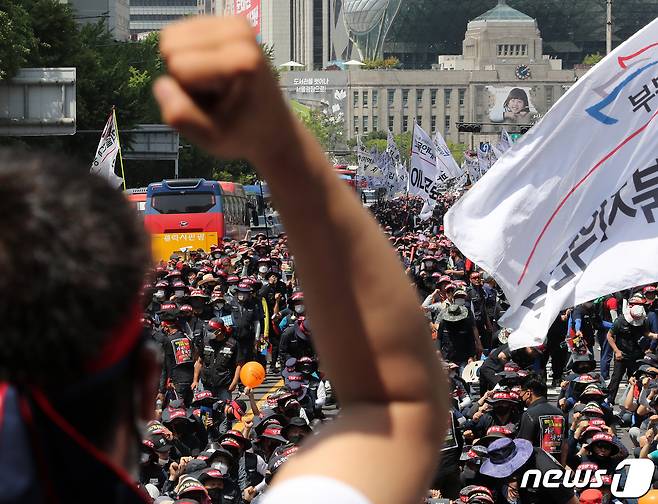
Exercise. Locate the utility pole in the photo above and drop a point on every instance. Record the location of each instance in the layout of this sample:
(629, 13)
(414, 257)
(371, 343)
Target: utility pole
(608, 27)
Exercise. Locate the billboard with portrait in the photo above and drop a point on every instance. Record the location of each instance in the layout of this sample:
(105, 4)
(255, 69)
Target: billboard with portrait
(509, 104)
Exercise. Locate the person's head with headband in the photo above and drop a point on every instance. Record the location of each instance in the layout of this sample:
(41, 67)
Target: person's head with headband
(73, 371)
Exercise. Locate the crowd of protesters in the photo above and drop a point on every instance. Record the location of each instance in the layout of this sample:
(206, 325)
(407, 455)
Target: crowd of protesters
(213, 312)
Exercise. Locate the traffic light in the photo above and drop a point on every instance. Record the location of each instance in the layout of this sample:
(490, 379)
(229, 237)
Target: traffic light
(469, 127)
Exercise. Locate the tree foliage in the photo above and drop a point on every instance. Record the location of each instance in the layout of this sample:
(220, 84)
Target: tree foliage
(390, 63)
(592, 59)
(17, 41)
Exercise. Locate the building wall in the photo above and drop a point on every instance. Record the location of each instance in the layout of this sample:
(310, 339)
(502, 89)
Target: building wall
(438, 100)
(92, 11)
(153, 15)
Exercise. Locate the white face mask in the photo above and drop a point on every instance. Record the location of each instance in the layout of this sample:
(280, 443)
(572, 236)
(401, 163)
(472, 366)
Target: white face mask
(460, 301)
(299, 309)
(163, 462)
(220, 466)
(179, 293)
(160, 294)
(262, 269)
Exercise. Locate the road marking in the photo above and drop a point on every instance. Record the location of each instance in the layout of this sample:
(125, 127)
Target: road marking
(261, 402)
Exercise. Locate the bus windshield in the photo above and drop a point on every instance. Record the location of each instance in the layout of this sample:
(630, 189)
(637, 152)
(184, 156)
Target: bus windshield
(183, 203)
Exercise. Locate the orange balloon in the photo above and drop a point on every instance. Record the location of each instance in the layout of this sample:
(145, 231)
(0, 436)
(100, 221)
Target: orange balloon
(651, 497)
(252, 374)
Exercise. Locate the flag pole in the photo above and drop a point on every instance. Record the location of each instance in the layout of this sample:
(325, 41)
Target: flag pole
(116, 128)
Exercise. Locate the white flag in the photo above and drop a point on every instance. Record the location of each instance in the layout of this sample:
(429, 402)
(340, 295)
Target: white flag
(106, 154)
(486, 157)
(569, 213)
(471, 166)
(503, 144)
(401, 175)
(425, 177)
(368, 169)
(447, 163)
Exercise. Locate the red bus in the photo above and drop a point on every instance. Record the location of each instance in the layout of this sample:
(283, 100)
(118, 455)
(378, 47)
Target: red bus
(193, 213)
(138, 198)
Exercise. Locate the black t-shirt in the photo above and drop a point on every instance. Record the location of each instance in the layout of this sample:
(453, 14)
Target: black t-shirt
(627, 336)
(543, 424)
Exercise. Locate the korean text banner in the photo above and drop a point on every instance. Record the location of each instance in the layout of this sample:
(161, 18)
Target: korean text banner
(569, 213)
(106, 154)
(424, 176)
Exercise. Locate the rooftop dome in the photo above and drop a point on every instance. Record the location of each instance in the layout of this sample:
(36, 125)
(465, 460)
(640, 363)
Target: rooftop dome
(503, 12)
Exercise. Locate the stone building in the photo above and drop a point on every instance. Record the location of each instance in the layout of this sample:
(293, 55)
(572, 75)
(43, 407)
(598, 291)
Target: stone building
(501, 79)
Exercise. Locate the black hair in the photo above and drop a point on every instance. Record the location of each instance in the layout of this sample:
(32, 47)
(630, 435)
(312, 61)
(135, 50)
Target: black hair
(72, 261)
(534, 383)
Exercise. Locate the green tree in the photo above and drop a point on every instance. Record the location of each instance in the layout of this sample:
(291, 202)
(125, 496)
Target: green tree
(328, 129)
(17, 41)
(592, 59)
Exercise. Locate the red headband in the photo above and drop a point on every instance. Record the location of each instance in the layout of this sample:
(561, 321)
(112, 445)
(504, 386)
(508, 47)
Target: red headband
(120, 342)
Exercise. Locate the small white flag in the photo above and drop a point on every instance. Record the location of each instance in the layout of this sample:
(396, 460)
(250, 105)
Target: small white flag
(106, 154)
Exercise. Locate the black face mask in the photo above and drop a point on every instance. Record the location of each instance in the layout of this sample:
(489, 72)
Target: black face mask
(296, 439)
(215, 495)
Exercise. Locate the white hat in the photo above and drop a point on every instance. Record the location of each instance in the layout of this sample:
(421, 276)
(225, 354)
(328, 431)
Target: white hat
(470, 373)
(636, 315)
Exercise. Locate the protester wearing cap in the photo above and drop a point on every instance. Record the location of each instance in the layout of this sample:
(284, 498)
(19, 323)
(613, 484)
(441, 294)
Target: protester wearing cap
(150, 470)
(296, 341)
(273, 294)
(247, 316)
(542, 423)
(220, 489)
(604, 450)
(624, 339)
(296, 430)
(457, 336)
(191, 488)
(189, 434)
(477, 299)
(219, 363)
(500, 408)
(179, 357)
(251, 466)
(509, 459)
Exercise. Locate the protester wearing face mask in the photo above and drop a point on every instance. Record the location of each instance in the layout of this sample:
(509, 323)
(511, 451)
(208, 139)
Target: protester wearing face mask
(219, 308)
(501, 409)
(296, 430)
(624, 339)
(150, 472)
(247, 320)
(457, 336)
(219, 362)
(296, 341)
(179, 358)
(273, 293)
(543, 424)
(477, 300)
(221, 489)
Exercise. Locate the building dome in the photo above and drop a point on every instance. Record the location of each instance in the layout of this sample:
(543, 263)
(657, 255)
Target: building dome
(503, 12)
(361, 16)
